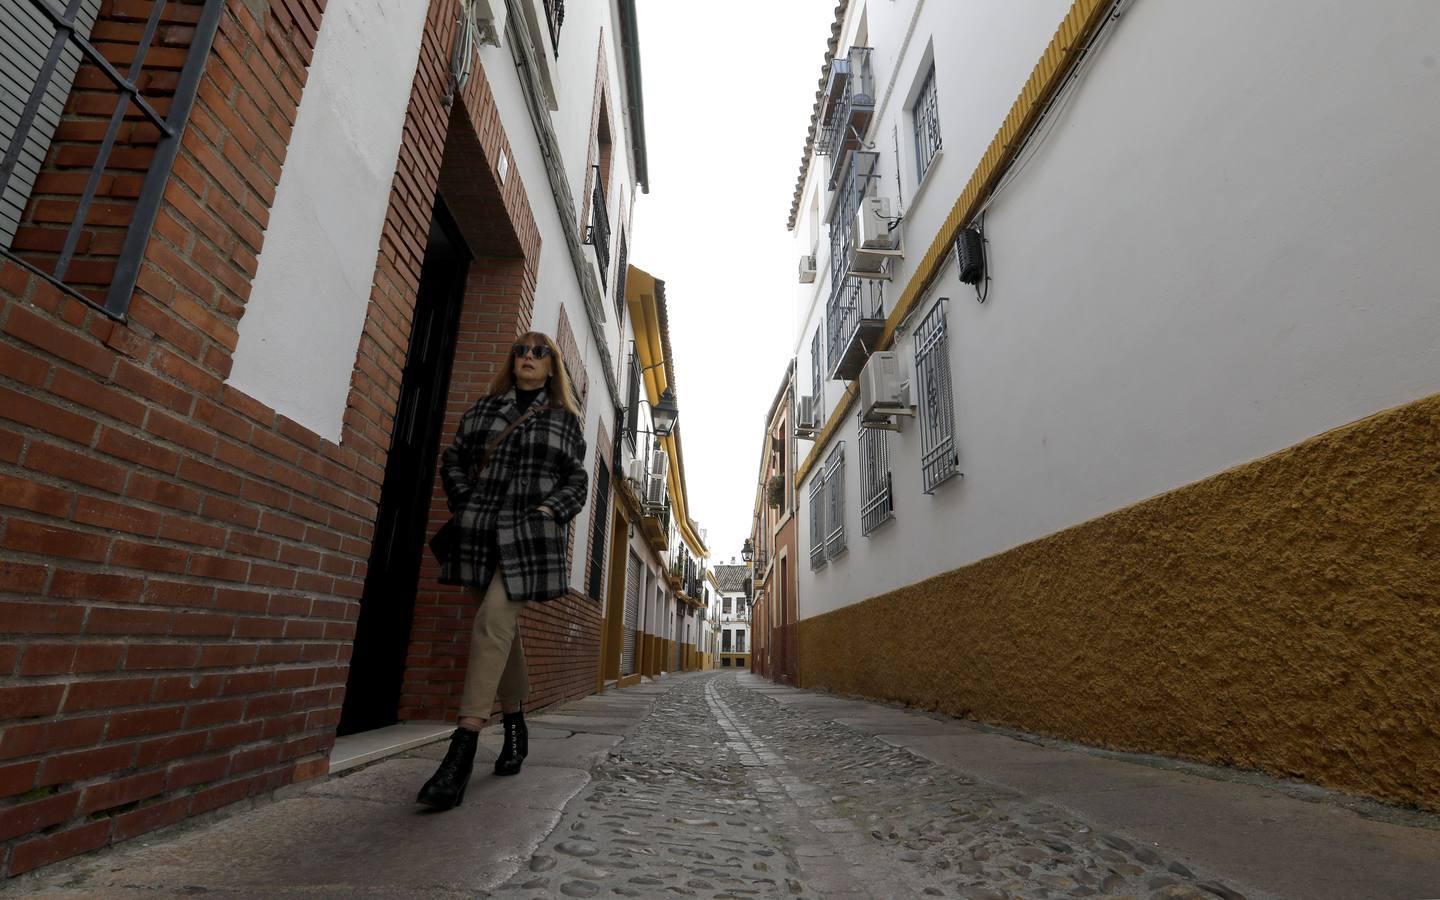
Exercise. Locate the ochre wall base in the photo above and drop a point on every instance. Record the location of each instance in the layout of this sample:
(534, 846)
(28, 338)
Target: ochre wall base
(1283, 616)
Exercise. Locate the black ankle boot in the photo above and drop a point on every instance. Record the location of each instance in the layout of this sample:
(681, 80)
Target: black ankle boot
(517, 745)
(446, 788)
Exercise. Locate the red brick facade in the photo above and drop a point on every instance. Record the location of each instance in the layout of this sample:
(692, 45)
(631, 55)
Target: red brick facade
(180, 567)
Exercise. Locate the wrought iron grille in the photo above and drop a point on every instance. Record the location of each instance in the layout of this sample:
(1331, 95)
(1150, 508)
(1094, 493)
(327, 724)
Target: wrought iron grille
(850, 101)
(555, 17)
(596, 582)
(106, 277)
(877, 502)
(926, 113)
(835, 501)
(817, 521)
(817, 365)
(938, 458)
(599, 231)
(622, 268)
(853, 300)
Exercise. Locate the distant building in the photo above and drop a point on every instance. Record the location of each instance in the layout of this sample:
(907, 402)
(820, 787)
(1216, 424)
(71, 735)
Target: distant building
(733, 579)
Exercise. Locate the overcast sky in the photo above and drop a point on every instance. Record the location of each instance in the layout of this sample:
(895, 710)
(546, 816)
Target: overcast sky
(728, 92)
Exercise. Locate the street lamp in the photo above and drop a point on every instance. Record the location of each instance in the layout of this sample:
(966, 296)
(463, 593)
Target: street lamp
(665, 413)
(747, 552)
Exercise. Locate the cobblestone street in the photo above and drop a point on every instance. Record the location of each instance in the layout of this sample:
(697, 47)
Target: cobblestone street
(728, 794)
(721, 785)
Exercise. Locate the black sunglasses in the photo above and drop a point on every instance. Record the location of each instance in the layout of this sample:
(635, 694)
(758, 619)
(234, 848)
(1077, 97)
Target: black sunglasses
(539, 351)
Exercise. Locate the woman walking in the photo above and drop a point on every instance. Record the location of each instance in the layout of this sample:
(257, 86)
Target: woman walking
(514, 476)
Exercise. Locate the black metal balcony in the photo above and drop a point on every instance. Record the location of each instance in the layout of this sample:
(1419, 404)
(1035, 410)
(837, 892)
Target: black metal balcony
(859, 178)
(599, 230)
(854, 320)
(848, 104)
(554, 18)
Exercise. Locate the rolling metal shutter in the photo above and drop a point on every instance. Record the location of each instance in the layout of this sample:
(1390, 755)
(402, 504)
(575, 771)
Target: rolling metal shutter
(26, 39)
(632, 614)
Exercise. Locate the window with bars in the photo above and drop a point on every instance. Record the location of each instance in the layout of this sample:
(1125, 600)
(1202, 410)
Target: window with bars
(632, 403)
(835, 501)
(926, 116)
(877, 502)
(817, 521)
(596, 583)
(817, 363)
(132, 121)
(938, 457)
(622, 263)
(554, 18)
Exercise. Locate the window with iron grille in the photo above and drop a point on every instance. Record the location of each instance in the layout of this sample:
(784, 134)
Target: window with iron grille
(632, 403)
(817, 363)
(135, 114)
(599, 231)
(554, 18)
(817, 521)
(596, 585)
(938, 457)
(877, 503)
(622, 262)
(835, 501)
(926, 113)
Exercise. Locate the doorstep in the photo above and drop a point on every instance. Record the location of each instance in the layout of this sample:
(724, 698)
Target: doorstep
(367, 746)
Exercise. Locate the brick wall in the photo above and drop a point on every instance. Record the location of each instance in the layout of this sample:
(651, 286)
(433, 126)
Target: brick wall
(180, 567)
(178, 564)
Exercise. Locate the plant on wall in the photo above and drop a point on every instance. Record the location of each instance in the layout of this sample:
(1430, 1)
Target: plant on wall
(775, 491)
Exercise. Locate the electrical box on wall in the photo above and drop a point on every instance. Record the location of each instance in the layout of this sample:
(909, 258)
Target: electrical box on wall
(970, 255)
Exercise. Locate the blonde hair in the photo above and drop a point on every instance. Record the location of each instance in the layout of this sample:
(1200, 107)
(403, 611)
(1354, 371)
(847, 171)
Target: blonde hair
(557, 385)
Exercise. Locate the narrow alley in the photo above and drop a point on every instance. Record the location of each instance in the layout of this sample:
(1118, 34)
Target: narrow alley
(721, 785)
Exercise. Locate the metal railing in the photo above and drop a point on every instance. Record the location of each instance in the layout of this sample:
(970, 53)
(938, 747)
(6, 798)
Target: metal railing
(938, 458)
(859, 179)
(817, 521)
(554, 18)
(854, 301)
(835, 501)
(117, 283)
(848, 104)
(599, 231)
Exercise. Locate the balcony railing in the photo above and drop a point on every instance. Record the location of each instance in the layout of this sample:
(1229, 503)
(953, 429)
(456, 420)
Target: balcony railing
(848, 104)
(599, 231)
(854, 321)
(860, 178)
(554, 18)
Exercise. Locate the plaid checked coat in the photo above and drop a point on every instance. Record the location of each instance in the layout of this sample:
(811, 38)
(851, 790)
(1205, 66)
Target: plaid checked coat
(541, 462)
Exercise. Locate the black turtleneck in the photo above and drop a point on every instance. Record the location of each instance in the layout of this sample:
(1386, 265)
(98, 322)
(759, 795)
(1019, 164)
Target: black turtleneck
(524, 398)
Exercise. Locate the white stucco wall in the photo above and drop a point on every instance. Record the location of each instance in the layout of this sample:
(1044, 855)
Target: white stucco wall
(302, 324)
(1225, 246)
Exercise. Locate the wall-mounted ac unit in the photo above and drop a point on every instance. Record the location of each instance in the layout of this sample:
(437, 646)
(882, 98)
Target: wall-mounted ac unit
(807, 417)
(873, 239)
(884, 390)
(807, 269)
(655, 490)
(489, 18)
(635, 471)
(660, 463)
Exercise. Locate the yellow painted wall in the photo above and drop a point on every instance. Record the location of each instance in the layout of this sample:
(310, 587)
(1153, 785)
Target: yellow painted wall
(1284, 616)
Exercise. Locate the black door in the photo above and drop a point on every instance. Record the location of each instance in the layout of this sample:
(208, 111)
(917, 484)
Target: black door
(382, 635)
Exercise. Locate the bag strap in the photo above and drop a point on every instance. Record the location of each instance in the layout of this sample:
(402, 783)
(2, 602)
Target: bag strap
(509, 429)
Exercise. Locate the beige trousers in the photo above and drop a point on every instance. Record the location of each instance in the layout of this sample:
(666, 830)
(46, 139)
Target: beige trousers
(497, 659)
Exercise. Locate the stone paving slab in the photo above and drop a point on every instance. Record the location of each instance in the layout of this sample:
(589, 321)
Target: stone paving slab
(1294, 841)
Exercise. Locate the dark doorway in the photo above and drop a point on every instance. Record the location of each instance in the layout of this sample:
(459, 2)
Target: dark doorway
(382, 635)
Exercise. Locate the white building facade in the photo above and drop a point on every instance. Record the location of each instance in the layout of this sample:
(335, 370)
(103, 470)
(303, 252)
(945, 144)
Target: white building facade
(1206, 234)
(734, 595)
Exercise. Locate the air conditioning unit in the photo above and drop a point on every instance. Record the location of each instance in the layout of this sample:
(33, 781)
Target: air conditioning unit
(884, 390)
(489, 18)
(635, 471)
(807, 269)
(660, 463)
(873, 240)
(807, 417)
(655, 491)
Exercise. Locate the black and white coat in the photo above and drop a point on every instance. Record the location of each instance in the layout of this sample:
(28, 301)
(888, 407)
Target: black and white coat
(542, 462)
